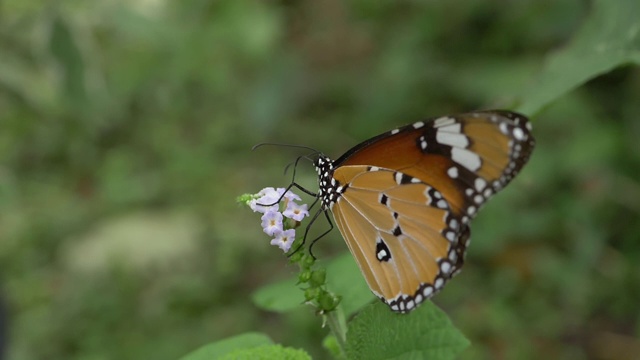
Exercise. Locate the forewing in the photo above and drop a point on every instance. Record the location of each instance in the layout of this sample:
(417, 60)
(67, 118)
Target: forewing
(467, 157)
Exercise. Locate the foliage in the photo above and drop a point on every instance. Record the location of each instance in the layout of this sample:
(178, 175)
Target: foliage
(246, 346)
(126, 129)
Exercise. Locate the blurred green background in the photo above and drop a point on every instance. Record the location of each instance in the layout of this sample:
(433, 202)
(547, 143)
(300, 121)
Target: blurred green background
(125, 136)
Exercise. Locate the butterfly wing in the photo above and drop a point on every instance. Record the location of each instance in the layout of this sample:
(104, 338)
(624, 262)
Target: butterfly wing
(404, 198)
(402, 233)
(467, 157)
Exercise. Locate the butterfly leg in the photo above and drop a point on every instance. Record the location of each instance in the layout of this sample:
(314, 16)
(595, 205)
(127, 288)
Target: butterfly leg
(326, 215)
(306, 232)
(293, 179)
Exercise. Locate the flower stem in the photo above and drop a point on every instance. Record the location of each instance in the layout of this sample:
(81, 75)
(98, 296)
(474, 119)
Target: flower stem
(338, 326)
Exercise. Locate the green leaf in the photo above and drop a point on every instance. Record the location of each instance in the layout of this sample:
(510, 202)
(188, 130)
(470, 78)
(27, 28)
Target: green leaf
(267, 352)
(280, 296)
(65, 50)
(425, 333)
(610, 37)
(343, 278)
(227, 346)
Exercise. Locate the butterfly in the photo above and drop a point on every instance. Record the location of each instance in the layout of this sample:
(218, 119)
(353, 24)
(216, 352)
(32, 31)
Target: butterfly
(403, 200)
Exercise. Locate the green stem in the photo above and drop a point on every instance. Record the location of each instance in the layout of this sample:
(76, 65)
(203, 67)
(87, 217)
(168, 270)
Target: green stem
(338, 326)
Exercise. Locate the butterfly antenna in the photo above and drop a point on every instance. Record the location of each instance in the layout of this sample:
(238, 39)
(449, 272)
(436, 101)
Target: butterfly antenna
(295, 162)
(295, 184)
(285, 145)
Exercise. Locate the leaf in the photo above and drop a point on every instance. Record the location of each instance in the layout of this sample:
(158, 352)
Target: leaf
(610, 37)
(65, 50)
(280, 296)
(425, 333)
(267, 352)
(343, 278)
(224, 347)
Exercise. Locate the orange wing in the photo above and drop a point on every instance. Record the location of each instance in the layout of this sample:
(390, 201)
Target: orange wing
(402, 233)
(467, 157)
(403, 199)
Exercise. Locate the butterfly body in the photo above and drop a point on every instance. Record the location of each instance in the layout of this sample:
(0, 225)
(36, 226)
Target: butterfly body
(403, 200)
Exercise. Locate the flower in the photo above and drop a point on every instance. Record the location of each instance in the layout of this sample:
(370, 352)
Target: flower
(272, 222)
(284, 239)
(269, 202)
(290, 195)
(266, 200)
(296, 211)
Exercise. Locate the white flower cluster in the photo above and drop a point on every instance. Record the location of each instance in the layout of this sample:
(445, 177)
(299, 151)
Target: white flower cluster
(267, 202)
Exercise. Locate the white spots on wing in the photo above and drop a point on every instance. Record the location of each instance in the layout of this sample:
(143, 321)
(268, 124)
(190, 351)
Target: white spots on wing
(415, 180)
(528, 126)
(382, 254)
(453, 256)
(452, 172)
(438, 283)
(466, 158)
(504, 128)
(423, 142)
(518, 134)
(453, 224)
(374, 168)
(449, 132)
(471, 210)
(445, 267)
(478, 199)
(398, 178)
(452, 128)
(480, 184)
(452, 139)
(444, 121)
(427, 291)
(442, 204)
(450, 235)
(394, 131)
(419, 298)
(418, 125)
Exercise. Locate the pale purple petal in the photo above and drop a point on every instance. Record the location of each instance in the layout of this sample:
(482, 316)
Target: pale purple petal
(290, 195)
(267, 196)
(271, 222)
(284, 239)
(295, 211)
